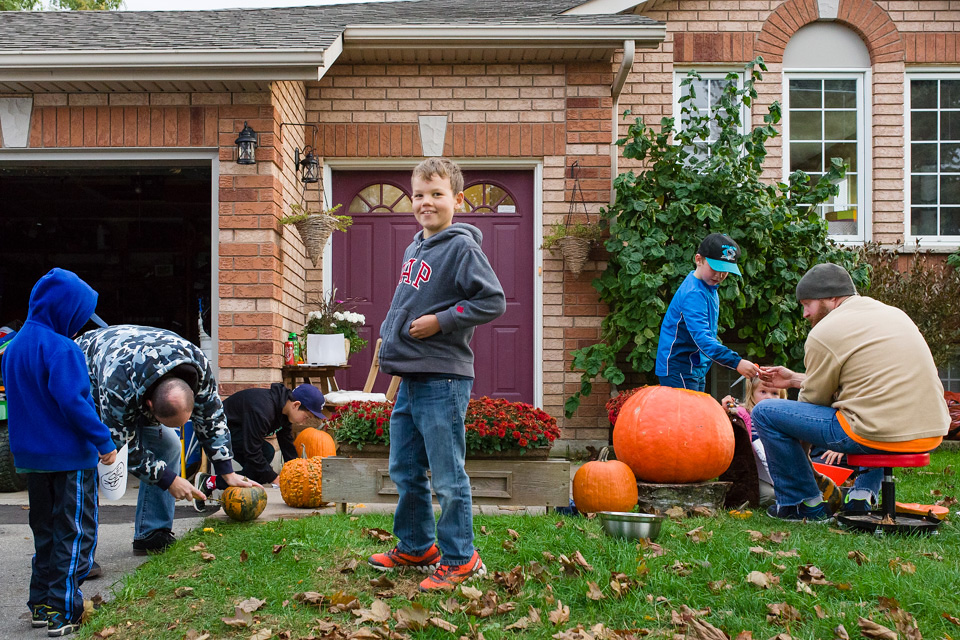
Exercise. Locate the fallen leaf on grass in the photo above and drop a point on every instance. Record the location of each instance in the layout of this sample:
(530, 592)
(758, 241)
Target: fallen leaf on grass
(699, 535)
(440, 623)
(200, 546)
(379, 611)
(955, 620)
(193, 634)
(251, 604)
(378, 534)
(819, 611)
(383, 582)
(513, 534)
(262, 634)
(105, 633)
(519, 625)
(574, 565)
(594, 592)
(703, 630)
(471, 593)
(899, 566)
(621, 583)
(243, 555)
(349, 566)
(871, 629)
(364, 633)
(414, 617)
(935, 556)
(182, 592)
(549, 557)
(840, 633)
(240, 618)
(858, 556)
(762, 580)
(760, 551)
(650, 549)
(277, 548)
(793, 553)
(207, 557)
(341, 602)
(811, 574)
(538, 572)
(744, 635)
(680, 568)
(310, 597)
(782, 613)
(718, 585)
(803, 587)
(511, 581)
(559, 615)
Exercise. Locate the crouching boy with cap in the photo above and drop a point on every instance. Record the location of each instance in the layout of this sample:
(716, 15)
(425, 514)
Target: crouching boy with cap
(688, 335)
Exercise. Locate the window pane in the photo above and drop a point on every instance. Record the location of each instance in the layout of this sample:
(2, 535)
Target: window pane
(950, 221)
(805, 125)
(391, 194)
(923, 157)
(716, 91)
(923, 190)
(923, 94)
(846, 151)
(371, 194)
(495, 194)
(474, 195)
(949, 189)
(950, 157)
(840, 94)
(404, 205)
(950, 94)
(845, 227)
(923, 125)
(840, 125)
(805, 94)
(950, 125)
(923, 221)
(358, 206)
(806, 156)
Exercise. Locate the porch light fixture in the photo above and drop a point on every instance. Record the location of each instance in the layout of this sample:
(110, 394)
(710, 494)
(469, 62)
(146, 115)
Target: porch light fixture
(247, 143)
(308, 166)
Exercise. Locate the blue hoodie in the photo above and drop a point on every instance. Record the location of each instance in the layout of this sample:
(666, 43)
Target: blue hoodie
(52, 421)
(447, 275)
(688, 334)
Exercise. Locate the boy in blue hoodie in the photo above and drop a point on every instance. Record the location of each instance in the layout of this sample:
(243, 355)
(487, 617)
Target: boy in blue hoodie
(688, 335)
(446, 288)
(57, 439)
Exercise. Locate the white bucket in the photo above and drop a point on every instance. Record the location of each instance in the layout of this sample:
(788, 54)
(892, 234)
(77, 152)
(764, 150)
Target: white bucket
(113, 478)
(326, 348)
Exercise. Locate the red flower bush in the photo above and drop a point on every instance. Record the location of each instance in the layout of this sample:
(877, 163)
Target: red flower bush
(615, 403)
(493, 425)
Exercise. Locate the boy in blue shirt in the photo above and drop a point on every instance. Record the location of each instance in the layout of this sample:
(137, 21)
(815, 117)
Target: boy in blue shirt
(446, 288)
(688, 336)
(57, 439)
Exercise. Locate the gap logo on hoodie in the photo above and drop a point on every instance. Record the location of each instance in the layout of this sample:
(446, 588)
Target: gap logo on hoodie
(423, 273)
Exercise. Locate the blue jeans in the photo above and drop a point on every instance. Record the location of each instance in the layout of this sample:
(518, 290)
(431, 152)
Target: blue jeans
(783, 425)
(155, 505)
(693, 382)
(427, 432)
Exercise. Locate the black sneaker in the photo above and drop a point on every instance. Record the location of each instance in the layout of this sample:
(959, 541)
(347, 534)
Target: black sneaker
(58, 625)
(800, 512)
(95, 571)
(854, 507)
(202, 483)
(156, 542)
(39, 614)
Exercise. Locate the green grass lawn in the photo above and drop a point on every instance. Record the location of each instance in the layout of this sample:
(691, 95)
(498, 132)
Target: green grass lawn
(182, 594)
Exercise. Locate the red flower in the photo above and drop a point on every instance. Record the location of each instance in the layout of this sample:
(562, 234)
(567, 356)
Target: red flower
(378, 432)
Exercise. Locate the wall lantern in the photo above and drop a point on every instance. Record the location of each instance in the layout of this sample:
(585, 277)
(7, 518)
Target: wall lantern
(246, 143)
(308, 167)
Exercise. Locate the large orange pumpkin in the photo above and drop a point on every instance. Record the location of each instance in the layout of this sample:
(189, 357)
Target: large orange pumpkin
(300, 483)
(243, 503)
(318, 443)
(669, 435)
(604, 485)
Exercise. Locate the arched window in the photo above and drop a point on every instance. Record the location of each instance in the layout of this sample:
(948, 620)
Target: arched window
(485, 197)
(381, 197)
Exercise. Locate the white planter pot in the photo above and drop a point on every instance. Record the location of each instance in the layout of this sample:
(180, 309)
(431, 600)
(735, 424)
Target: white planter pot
(326, 348)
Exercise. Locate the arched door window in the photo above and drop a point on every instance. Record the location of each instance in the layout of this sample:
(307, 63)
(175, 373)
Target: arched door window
(485, 197)
(381, 197)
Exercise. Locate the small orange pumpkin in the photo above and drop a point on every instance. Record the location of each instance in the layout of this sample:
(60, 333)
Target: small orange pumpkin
(604, 485)
(672, 435)
(300, 483)
(318, 443)
(243, 503)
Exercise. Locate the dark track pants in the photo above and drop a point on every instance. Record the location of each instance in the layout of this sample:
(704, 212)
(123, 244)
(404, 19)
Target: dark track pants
(63, 518)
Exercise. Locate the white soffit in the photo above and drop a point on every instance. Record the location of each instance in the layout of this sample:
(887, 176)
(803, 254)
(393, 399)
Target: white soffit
(602, 7)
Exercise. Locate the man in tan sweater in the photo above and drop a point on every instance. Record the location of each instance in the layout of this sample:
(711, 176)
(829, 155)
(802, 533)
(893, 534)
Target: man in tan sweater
(870, 386)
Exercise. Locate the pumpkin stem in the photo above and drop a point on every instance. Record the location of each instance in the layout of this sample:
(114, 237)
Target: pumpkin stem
(603, 454)
(303, 451)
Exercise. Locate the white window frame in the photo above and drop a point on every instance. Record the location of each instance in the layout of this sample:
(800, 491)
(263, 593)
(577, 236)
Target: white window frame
(864, 141)
(943, 243)
(710, 73)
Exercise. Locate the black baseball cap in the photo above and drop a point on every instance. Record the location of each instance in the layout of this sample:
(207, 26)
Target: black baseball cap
(721, 252)
(311, 399)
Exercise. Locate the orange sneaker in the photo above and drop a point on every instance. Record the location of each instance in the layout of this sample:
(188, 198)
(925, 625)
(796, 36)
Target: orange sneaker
(447, 578)
(396, 559)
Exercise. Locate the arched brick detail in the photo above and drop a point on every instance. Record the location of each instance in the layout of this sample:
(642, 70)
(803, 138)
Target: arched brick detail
(864, 17)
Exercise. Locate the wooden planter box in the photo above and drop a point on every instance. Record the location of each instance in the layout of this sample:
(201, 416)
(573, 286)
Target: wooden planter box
(516, 482)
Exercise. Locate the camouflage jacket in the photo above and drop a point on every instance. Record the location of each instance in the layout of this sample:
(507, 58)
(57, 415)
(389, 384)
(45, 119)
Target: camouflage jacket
(124, 361)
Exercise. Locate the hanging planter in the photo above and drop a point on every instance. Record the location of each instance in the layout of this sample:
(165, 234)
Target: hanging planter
(315, 228)
(574, 240)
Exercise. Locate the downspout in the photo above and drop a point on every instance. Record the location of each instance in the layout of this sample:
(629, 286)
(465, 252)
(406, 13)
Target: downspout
(626, 65)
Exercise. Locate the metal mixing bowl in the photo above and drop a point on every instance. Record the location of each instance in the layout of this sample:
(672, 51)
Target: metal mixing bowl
(632, 526)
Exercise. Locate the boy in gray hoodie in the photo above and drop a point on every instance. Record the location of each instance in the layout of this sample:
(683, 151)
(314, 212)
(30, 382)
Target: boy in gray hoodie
(446, 288)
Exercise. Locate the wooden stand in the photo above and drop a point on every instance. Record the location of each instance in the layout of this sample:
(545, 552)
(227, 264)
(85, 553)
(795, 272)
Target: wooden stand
(492, 482)
(321, 375)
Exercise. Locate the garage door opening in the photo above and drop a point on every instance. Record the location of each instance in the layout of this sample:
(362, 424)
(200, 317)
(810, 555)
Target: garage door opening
(139, 235)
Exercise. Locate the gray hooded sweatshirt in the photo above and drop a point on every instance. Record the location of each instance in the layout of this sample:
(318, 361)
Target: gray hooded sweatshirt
(447, 275)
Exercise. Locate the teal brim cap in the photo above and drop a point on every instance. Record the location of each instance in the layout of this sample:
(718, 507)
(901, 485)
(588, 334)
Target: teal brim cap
(720, 265)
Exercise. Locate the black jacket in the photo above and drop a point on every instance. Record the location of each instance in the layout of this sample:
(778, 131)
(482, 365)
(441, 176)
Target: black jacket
(252, 415)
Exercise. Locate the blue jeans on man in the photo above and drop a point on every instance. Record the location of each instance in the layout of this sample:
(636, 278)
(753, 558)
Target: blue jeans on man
(783, 425)
(155, 505)
(427, 433)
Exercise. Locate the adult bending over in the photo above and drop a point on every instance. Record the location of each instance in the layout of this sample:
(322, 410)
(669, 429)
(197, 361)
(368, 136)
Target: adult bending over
(870, 387)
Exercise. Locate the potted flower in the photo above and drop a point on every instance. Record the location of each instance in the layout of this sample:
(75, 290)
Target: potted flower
(315, 227)
(326, 329)
(616, 403)
(495, 428)
(574, 242)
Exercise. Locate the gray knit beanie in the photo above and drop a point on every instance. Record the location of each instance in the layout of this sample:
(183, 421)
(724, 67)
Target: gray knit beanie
(825, 280)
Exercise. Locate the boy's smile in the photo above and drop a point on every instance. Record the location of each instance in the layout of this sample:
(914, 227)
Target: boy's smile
(434, 203)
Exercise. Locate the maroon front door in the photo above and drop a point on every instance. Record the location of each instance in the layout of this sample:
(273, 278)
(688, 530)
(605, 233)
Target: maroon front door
(367, 260)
